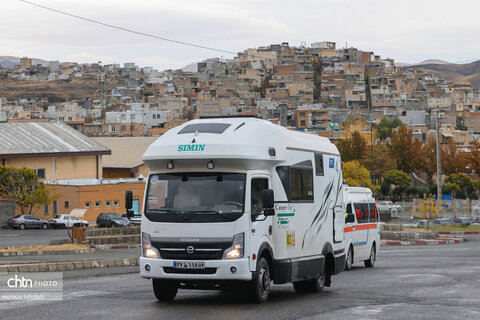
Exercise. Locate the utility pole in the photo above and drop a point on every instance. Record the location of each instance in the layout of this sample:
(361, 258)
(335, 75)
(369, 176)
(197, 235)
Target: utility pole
(101, 81)
(439, 166)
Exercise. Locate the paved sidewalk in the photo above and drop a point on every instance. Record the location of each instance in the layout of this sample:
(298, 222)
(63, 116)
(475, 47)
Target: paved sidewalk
(417, 242)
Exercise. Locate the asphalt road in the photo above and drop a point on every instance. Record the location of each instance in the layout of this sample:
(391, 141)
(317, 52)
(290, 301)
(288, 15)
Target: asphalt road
(29, 237)
(420, 282)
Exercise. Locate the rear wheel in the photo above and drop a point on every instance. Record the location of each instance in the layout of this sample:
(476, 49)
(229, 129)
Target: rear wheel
(371, 260)
(165, 290)
(44, 226)
(313, 285)
(349, 260)
(22, 226)
(259, 288)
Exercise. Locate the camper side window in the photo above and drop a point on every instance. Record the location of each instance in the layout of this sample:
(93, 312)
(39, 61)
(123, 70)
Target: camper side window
(319, 164)
(301, 184)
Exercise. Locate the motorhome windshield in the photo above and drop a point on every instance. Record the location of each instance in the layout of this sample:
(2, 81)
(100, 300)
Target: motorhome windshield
(195, 197)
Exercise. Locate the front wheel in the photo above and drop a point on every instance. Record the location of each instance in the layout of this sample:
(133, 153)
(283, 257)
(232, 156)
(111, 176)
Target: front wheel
(371, 260)
(259, 288)
(165, 290)
(349, 260)
(44, 226)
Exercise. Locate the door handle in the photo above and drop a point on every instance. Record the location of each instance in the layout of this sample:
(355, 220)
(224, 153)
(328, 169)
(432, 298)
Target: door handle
(270, 230)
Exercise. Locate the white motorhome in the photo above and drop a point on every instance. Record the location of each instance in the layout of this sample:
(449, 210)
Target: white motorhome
(362, 226)
(241, 201)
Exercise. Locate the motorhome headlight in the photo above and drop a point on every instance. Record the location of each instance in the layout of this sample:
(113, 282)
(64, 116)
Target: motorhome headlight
(237, 248)
(148, 250)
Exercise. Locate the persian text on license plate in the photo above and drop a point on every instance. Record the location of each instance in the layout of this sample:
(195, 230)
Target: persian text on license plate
(188, 265)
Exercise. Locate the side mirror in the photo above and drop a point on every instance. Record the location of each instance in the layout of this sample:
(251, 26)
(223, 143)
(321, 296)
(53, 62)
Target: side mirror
(350, 218)
(128, 199)
(268, 200)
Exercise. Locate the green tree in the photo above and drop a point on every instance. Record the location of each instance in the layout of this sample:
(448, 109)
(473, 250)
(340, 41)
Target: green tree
(460, 125)
(399, 179)
(23, 186)
(459, 185)
(356, 175)
(352, 147)
(385, 127)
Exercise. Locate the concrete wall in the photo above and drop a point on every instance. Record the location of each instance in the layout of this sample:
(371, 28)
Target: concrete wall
(7, 210)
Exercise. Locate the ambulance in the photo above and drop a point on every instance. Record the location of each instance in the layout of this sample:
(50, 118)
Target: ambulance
(241, 202)
(362, 227)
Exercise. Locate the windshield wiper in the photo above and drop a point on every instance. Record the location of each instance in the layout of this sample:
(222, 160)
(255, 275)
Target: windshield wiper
(211, 211)
(171, 210)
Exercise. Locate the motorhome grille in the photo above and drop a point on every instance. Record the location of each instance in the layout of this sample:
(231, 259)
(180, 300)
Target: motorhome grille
(202, 251)
(190, 271)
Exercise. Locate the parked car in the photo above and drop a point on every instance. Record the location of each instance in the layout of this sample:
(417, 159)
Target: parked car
(465, 220)
(444, 221)
(111, 220)
(24, 221)
(65, 221)
(388, 206)
(476, 222)
(135, 219)
(417, 224)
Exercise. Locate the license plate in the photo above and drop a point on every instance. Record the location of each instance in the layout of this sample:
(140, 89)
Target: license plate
(188, 265)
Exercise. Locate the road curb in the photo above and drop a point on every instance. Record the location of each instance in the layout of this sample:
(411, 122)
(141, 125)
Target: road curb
(418, 242)
(69, 265)
(60, 252)
(459, 232)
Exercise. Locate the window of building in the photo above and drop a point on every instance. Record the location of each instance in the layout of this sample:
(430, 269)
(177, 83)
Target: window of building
(132, 117)
(116, 203)
(133, 127)
(176, 103)
(61, 118)
(123, 128)
(302, 114)
(45, 208)
(87, 204)
(97, 204)
(302, 122)
(67, 204)
(112, 128)
(108, 203)
(40, 173)
(70, 119)
(54, 203)
(154, 116)
(123, 117)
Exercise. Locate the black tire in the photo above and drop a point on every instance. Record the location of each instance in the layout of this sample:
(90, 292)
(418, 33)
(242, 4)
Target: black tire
(44, 226)
(99, 225)
(165, 290)
(22, 226)
(349, 259)
(259, 288)
(312, 285)
(370, 262)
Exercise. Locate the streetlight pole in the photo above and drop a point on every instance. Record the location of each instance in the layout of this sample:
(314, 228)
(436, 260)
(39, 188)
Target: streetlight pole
(439, 165)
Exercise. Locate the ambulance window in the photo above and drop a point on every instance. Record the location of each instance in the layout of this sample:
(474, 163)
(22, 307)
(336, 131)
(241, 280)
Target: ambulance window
(361, 211)
(217, 128)
(349, 208)
(319, 164)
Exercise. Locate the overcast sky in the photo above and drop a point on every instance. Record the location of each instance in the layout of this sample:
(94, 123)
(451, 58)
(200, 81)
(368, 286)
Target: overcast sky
(406, 30)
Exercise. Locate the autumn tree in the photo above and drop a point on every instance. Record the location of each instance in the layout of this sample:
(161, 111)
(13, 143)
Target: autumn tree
(473, 158)
(459, 184)
(188, 113)
(23, 186)
(379, 161)
(428, 160)
(352, 147)
(356, 175)
(427, 210)
(405, 149)
(453, 159)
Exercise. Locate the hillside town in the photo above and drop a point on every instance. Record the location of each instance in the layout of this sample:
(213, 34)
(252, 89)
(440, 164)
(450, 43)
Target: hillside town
(315, 89)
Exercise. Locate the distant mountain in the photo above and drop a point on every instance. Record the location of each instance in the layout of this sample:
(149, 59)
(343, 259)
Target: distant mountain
(429, 61)
(192, 67)
(454, 72)
(10, 61)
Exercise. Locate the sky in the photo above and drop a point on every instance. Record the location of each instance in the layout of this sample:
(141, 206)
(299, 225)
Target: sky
(405, 30)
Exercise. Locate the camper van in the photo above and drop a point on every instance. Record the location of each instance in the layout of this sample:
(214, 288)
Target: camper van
(362, 227)
(241, 202)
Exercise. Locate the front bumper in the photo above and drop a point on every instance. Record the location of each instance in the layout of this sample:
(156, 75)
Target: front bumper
(222, 267)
